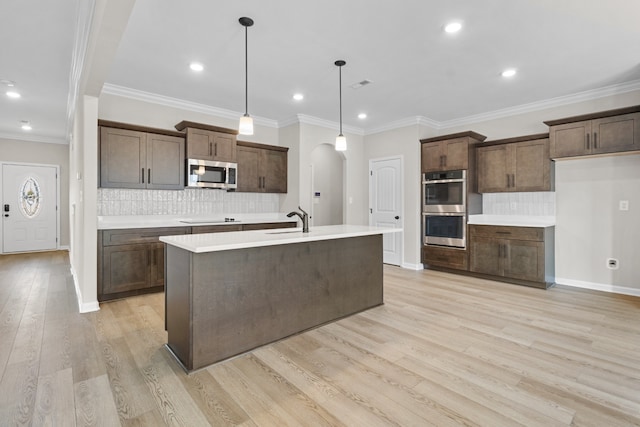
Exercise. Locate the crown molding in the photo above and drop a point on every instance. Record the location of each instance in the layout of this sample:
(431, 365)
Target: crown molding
(167, 101)
(560, 101)
(409, 121)
(33, 138)
(311, 120)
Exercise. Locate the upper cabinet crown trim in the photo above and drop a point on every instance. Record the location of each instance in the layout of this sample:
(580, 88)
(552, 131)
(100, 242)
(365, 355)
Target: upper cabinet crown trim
(591, 116)
(186, 124)
(516, 139)
(127, 126)
(470, 134)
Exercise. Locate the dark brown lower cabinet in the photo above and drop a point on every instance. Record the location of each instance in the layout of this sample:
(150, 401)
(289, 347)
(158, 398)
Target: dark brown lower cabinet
(131, 261)
(522, 255)
(442, 257)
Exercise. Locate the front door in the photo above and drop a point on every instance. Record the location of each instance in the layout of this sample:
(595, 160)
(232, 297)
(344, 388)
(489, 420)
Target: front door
(385, 198)
(29, 208)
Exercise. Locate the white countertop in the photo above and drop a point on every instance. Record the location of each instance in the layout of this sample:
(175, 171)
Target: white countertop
(513, 220)
(212, 242)
(151, 221)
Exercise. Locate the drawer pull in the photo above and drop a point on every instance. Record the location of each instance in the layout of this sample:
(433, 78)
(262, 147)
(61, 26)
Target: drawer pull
(503, 232)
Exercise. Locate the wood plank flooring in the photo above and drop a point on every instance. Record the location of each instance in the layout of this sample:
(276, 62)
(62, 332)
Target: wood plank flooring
(444, 350)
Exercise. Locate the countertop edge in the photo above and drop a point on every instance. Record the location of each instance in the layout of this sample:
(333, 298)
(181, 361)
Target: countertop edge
(512, 220)
(263, 238)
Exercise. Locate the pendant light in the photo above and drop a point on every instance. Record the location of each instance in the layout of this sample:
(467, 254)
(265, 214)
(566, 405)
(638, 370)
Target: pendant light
(246, 122)
(341, 141)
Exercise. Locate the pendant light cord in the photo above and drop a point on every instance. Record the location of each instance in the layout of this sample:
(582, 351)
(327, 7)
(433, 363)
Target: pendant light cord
(246, 72)
(340, 87)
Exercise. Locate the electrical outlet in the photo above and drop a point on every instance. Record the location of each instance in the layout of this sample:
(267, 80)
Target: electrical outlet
(624, 205)
(612, 264)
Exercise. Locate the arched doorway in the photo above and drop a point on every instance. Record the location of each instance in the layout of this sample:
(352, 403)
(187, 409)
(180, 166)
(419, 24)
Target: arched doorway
(327, 185)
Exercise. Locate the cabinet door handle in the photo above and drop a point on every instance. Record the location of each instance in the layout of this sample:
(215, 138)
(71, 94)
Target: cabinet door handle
(513, 180)
(210, 149)
(444, 160)
(587, 141)
(595, 140)
(215, 153)
(499, 251)
(149, 175)
(143, 175)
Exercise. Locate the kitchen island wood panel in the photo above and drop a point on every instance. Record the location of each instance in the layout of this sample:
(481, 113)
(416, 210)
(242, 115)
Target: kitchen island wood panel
(223, 303)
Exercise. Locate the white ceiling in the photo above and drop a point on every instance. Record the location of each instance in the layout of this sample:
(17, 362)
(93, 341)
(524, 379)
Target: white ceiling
(559, 48)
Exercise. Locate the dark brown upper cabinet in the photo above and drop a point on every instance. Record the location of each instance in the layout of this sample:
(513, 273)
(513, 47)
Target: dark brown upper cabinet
(207, 142)
(261, 168)
(515, 165)
(448, 152)
(135, 158)
(208, 145)
(612, 131)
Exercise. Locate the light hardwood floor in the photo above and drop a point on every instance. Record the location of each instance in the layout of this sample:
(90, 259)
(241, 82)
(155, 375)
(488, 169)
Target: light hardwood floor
(444, 350)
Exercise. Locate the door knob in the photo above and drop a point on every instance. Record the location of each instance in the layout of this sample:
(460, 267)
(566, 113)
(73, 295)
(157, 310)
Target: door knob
(396, 217)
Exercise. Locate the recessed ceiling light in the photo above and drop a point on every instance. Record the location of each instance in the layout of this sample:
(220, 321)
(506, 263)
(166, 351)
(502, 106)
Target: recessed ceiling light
(13, 94)
(196, 66)
(362, 115)
(25, 125)
(298, 96)
(453, 27)
(509, 72)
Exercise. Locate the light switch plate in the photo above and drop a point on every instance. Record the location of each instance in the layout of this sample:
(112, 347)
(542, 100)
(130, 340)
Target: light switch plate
(624, 205)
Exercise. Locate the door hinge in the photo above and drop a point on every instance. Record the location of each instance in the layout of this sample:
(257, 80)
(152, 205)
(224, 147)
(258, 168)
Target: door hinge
(371, 172)
(370, 210)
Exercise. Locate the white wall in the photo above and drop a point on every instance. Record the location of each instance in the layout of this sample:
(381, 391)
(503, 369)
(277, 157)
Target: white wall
(43, 153)
(590, 226)
(290, 137)
(83, 155)
(328, 181)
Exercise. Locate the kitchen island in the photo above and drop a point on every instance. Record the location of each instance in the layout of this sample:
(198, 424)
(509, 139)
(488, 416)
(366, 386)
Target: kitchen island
(228, 293)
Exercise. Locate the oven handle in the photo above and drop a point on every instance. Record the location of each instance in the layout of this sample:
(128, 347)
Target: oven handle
(443, 181)
(444, 214)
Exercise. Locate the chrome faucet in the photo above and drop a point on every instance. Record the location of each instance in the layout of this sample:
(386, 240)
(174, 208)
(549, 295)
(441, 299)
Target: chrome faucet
(303, 216)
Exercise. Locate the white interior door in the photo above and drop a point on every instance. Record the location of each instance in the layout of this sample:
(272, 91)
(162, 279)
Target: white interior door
(385, 198)
(29, 208)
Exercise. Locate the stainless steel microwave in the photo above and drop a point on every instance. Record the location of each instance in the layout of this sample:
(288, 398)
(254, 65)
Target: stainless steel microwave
(210, 174)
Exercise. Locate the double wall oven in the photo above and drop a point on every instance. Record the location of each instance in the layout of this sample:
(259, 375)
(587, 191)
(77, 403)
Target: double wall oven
(444, 208)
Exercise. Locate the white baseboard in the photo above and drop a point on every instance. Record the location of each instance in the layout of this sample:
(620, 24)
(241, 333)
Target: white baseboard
(410, 266)
(82, 306)
(625, 290)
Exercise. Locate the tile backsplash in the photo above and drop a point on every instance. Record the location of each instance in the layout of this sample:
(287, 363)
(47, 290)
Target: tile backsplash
(183, 202)
(542, 203)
